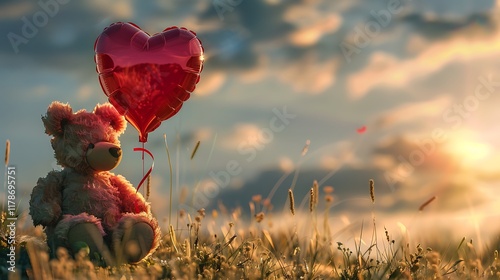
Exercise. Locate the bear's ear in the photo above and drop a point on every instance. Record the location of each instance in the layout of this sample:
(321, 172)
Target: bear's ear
(58, 115)
(109, 114)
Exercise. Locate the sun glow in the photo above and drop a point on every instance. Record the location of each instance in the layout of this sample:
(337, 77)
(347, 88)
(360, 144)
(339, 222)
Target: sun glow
(468, 151)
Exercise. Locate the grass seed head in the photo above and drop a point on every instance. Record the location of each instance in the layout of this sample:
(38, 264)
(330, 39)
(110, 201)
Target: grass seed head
(7, 152)
(148, 187)
(202, 212)
(316, 192)
(311, 200)
(259, 217)
(195, 149)
(372, 190)
(422, 207)
(292, 202)
(306, 148)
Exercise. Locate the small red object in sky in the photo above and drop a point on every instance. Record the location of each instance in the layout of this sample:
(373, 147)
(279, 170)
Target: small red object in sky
(362, 129)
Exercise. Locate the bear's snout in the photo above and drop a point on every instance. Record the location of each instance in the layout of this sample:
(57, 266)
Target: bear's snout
(103, 156)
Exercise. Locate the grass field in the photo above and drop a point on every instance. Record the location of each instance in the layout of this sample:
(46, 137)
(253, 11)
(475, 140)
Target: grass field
(295, 244)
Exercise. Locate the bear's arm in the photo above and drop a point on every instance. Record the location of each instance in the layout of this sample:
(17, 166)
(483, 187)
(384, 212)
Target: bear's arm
(131, 201)
(46, 199)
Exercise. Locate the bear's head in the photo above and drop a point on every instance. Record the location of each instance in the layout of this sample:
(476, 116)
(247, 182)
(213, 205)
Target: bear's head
(85, 141)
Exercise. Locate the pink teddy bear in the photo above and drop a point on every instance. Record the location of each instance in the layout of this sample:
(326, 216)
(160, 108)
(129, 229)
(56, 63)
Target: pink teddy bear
(85, 205)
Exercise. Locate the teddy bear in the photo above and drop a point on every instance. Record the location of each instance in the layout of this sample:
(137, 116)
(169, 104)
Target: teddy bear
(84, 206)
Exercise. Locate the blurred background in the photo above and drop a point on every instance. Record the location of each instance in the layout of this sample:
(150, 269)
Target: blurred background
(402, 92)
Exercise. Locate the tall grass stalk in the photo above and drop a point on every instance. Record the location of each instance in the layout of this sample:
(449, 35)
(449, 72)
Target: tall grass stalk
(7, 158)
(195, 149)
(198, 180)
(171, 180)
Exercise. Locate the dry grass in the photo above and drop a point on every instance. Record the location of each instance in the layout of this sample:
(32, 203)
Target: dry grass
(223, 246)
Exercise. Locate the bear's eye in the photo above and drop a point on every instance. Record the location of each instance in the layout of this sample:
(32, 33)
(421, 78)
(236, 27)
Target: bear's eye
(90, 146)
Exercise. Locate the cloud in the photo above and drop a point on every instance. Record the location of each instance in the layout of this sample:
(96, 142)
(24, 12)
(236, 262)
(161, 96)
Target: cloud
(311, 34)
(188, 138)
(259, 72)
(452, 12)
(300, 14)
(114, 8)
(383, 162)
(309, 74)
(469, 150)
(490, 171)
(286, 164)
(441, 172)
(227, 49)
(403, 149)
(433, 26)
(15, 10)
(329, 162)
(414, 112)
(203, 134)
(334, 155)
(416, 43)
(231, 46)
(193, 22)
(311, 24)
(245, 133)
(210, 82)
(279, 43)
(41, 90)
(379, 67)
(385, 70)
(84, 92)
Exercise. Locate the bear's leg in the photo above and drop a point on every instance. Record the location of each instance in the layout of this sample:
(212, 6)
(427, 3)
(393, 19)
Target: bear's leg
(89, 235)
(136, 242)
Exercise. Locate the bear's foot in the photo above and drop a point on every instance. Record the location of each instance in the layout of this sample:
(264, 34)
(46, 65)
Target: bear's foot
(87, 236)
(135, 244)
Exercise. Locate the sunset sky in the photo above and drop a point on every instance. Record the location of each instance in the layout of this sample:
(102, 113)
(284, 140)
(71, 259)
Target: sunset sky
(422, 76)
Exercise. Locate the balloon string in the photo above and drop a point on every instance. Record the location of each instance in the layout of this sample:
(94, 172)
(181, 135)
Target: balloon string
(150, 169)
(142, 157)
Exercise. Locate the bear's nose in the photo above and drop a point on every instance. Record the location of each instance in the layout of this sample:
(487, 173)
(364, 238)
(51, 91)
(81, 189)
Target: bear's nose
(115, 152)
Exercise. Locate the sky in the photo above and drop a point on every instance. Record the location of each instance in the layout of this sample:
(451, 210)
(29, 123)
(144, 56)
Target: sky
(401, 91)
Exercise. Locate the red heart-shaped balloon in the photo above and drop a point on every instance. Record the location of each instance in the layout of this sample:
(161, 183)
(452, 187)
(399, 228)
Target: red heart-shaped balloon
(147, 78)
